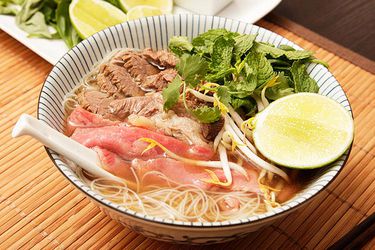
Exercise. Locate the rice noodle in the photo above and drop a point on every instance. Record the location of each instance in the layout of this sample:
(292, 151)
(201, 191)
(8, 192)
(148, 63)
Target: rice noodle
(182, 202)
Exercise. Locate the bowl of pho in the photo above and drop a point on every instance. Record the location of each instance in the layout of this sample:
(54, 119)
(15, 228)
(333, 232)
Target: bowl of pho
(214, 127)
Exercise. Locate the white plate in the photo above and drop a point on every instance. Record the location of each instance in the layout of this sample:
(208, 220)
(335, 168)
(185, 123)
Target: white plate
(248, 11)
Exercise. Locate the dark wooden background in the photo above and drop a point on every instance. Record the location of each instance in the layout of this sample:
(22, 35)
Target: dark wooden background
(350, 23)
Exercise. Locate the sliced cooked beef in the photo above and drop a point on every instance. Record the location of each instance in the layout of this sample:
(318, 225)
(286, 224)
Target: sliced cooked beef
(95, 101)
(162, 58)
(81, 118)
(159, 81)
(183, 173)
(141, 105)
(182, 128)
(137, 66)
(116, 81)
(210, 130)
(125, 142)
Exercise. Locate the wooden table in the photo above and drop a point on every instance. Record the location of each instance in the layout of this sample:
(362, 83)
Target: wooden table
(39, 208)
(347, 22)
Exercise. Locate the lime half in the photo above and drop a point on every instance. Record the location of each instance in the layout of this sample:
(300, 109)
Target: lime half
(142, 11)
(91, 16)
(303, 131)
(165, 6)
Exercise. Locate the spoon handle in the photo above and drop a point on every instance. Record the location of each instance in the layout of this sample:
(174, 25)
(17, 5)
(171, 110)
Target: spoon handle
(74, 151)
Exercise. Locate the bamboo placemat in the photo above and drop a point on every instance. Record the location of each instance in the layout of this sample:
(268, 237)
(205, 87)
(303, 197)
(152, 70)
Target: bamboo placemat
(41, 209)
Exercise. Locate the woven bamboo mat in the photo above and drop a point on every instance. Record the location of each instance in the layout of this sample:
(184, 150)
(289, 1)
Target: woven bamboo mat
(40, 209)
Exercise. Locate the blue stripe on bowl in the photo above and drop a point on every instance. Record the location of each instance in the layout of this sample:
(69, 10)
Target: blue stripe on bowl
(155, 32)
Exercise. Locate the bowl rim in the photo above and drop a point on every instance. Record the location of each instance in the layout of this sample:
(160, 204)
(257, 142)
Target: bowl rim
(191, 225)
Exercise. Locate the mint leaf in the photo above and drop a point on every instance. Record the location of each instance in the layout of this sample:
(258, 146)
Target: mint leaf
(180, 45)
(257, 68)
(314, 60)
(243, 44)
(204, 42)
(286, 47)
(171, 93)
(222, 51)
(284, 50)
(219, 75)
(242, 88)
(192, 68)
(302, 81)
(281, 89)
(268, 50)
(206, 114)
(298, 54)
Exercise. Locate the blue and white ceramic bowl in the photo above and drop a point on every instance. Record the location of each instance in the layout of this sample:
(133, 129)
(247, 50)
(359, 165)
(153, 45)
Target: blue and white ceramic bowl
(155, 32)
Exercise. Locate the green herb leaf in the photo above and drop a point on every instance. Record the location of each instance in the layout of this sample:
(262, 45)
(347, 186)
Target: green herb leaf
(245, 106)
(64, 27)
(298, 54)
(287, 51)
(204, 42)
(219, 75)
(243, 44)
(222, 51)
(314, 60)
(32, 20)
(257, 68)
(280, 89)
(171, 93)
(268, 50)
(192, 68)
(242, 88)
(224, 95)
(180, 45)
(206, 114)
(8, 7)
(302, 81)
(286, 47)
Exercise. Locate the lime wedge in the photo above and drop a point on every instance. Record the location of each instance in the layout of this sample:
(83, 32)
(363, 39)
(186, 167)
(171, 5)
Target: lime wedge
(303, 131)
(142, 11)
(165, 6)
(91, 16)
